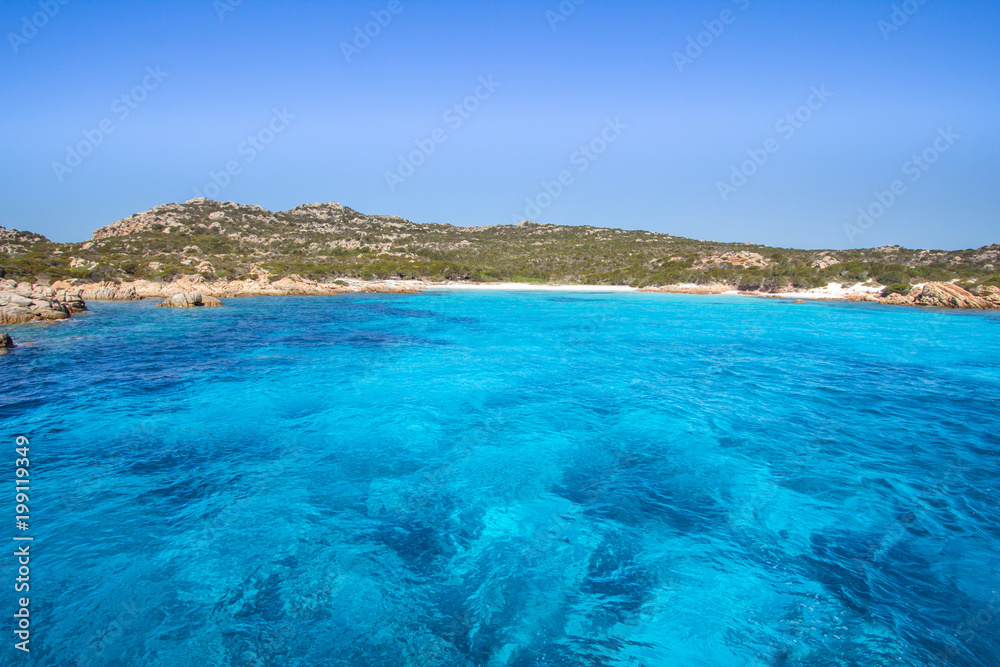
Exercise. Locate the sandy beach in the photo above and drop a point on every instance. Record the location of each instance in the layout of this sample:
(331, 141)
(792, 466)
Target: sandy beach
(524, 287)
(831, 291)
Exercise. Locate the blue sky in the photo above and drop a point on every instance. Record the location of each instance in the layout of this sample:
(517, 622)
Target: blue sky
(265, 89)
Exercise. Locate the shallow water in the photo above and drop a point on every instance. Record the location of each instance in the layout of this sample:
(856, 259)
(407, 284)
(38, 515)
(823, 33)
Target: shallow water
(459, 478)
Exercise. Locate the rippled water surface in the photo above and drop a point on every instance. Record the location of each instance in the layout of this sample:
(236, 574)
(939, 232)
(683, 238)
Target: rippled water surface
(551, 478)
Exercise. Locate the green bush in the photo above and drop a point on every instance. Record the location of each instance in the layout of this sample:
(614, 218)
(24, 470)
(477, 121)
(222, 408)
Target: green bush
(895, 277)
(897, 288)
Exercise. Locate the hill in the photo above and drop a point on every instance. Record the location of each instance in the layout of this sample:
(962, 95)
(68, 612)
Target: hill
(326, 242)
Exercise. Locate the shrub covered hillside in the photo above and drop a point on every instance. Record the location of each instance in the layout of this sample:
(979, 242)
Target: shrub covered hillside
(330, 241)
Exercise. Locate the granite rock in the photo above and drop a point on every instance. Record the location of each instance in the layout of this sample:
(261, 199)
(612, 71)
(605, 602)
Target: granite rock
(190, 300)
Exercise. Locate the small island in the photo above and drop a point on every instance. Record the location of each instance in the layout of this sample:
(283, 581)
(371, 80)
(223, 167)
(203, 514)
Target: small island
(222, 249)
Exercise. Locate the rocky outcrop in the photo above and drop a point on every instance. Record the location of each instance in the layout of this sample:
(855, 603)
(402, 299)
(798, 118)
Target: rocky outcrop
(383, 288)
(946, 295)
(712, 288)
(742, 259)
(26, 302)
(13, 241)
(18, 308)
(72, 301)
(825, 261)
(6, 342)
(989, 292)
(182, 300)
(191, 300)
(167, 216)
(861, 297)
(264, 285)
(107, 291)
(257, 286)
(896, 299)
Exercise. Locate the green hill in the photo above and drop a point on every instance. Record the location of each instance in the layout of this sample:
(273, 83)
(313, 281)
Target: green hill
(330, 241)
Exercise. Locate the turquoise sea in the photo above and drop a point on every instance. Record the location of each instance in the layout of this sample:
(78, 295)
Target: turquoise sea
(544, 478)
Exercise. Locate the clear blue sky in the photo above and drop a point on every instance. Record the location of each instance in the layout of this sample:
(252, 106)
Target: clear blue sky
(686, 125)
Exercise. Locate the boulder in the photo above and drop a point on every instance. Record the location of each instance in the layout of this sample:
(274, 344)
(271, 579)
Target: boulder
(108, 291)
(73, 302)
(6, 342)
(190, 300)
(183, 300)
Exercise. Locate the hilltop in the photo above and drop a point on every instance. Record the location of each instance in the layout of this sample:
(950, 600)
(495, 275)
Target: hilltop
(329, 242)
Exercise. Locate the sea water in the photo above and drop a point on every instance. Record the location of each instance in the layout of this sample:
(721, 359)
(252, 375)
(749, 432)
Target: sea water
(547, 478)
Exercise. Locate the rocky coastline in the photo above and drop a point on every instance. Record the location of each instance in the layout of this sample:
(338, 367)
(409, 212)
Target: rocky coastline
(938, 295)
(930, 295)
(262, 285)
(22, 302)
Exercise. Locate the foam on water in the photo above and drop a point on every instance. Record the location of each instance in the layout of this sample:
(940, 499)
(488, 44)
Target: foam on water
(461, 478)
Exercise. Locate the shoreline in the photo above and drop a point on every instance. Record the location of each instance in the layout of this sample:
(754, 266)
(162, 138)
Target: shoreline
(31, 302)
(524, 287)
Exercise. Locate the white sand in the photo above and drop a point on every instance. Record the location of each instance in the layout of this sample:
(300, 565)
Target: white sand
(831, 291)
(529, 287)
